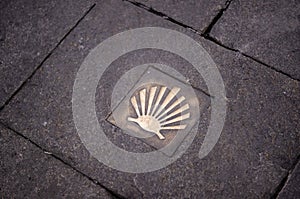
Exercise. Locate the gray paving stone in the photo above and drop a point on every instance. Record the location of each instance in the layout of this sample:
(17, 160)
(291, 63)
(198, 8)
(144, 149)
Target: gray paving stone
(197, 14)
(259, 142)
(266, 30)
(28, 172)
(292, 188)
(29, 30)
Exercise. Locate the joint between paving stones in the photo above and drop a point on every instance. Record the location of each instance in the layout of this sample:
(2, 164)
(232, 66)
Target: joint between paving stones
(285, 180)
(270, 67)
(162, 15)
(206, 32)
(49, 153)
(208, 29)
(46, 58)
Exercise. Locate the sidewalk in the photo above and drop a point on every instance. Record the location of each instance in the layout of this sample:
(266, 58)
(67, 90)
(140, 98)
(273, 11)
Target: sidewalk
(255, 46)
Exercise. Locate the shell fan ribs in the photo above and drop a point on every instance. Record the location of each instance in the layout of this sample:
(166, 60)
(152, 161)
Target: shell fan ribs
(156, 112)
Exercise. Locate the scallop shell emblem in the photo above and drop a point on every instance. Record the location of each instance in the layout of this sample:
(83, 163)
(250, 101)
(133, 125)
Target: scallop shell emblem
(156, 112)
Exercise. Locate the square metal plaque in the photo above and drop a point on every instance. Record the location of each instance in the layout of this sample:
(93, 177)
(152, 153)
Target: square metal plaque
(159, 102)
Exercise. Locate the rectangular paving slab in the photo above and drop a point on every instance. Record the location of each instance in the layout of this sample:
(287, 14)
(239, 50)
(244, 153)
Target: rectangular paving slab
(258, 145)
(29, 30)
(29, 172)
(266, 30)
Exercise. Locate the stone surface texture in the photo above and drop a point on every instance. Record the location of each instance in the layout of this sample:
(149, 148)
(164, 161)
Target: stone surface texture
(28, 32)
(258, 146)
(29, 172)
(266, 30)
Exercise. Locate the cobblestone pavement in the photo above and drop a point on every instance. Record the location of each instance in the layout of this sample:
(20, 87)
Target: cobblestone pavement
(255, 46)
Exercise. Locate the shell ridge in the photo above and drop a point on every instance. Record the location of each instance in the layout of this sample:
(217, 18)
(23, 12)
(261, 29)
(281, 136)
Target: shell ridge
(135, 106)
(167, 100)
(177, 119)
(177, 102)
(151, 97)
(143, 101)
(158, 99)
(175, 112)
(177, 127)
